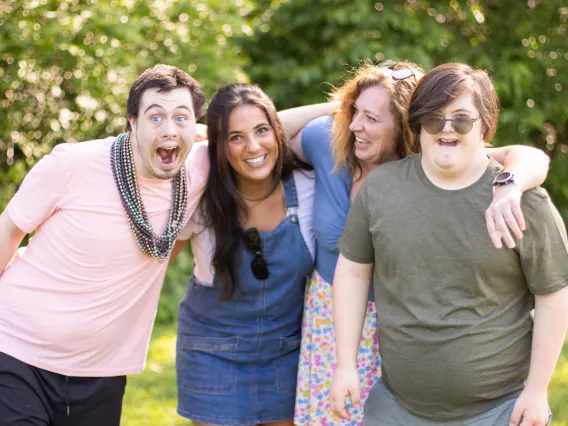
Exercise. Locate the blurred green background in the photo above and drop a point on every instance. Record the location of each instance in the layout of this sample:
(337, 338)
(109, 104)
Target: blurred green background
(66, 67)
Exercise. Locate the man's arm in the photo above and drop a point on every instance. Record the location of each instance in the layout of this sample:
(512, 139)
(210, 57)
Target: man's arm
(350, 295)
(549, 334)
(530, 167)
(10, 238)
(294, 119)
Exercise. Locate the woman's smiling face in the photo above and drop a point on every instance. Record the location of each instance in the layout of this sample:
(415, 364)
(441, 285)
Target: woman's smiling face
(252, 148)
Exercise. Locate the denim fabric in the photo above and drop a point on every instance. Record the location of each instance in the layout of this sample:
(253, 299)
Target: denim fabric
(237, 360)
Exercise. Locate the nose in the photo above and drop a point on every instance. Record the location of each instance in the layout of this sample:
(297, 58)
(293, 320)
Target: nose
(170, 129)
(253, 143)
(448, 125)
(356, 123)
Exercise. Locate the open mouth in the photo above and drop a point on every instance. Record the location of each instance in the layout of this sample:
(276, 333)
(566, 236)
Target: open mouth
(168, 155)
(257, 161)
(448, 142)
(362, 142)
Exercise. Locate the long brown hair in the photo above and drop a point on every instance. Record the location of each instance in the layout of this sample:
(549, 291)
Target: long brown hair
(222, 204)
(400, 91)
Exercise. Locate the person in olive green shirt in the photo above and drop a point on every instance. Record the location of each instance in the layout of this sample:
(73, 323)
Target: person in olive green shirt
(458, 343)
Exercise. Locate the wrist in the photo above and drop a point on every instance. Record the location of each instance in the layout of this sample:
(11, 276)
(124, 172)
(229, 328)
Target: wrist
(347, 365)
(536, 387)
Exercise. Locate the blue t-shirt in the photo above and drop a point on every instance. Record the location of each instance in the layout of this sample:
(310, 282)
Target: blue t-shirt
(331, 201)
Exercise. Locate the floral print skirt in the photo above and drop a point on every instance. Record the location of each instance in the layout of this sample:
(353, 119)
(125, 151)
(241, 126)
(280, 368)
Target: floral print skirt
(317, 359)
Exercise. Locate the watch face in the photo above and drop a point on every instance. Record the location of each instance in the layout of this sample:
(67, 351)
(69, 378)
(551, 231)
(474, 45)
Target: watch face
(503, 177)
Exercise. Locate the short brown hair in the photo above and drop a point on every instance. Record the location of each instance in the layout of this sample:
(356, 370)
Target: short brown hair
(400, 91)
(441, 86)
(165, 78)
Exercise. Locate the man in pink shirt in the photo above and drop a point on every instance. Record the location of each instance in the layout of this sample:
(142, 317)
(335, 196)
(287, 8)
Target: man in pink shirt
(77, 307)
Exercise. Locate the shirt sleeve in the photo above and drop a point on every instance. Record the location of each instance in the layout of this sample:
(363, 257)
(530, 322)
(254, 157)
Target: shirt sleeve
(544, 247)
(356, 242)
(194, 226)
(316, 139)
(40, 194)
(197, 168)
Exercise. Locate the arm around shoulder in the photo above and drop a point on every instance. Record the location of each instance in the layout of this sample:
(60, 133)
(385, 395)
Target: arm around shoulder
(530, 168)
(529, 165)
(294, 119)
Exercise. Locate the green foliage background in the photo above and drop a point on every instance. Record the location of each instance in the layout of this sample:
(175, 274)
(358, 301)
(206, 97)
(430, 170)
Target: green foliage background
(66, 66)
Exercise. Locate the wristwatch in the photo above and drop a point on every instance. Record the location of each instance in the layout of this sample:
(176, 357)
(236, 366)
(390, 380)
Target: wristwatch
(504, 178)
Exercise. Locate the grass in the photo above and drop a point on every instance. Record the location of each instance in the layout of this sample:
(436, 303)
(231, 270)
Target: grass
(151, 396)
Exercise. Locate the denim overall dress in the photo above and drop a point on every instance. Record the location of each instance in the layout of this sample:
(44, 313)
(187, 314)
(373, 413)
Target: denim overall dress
(237, 360)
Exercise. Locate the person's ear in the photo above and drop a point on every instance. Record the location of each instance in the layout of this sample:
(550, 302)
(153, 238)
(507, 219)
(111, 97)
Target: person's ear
(132, 121)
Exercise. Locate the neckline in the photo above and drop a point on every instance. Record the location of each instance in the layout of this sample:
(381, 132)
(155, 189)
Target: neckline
(465, 190)
(287, 199)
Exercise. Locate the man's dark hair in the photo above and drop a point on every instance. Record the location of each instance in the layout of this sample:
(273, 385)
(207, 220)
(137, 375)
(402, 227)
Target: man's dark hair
(164, 78)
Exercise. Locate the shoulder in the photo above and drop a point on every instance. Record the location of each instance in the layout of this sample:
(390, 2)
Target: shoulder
(320, 124)
(544, 221)
(393, 171)
(68, 156)
(197, 163)
(317, 133)
(537, 202)
(86, 148)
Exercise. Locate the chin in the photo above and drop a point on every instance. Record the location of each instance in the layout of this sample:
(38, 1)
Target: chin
(362, 157)
(446, 165)
(166, 174)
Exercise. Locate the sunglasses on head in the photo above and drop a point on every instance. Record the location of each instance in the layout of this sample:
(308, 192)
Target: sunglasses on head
(435, 124)
(398, 71)
(254, 245)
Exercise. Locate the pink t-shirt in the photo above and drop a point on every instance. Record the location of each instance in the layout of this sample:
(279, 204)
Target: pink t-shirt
(82, 298)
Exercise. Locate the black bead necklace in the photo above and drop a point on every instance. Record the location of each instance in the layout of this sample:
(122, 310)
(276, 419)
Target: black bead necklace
(124, 172)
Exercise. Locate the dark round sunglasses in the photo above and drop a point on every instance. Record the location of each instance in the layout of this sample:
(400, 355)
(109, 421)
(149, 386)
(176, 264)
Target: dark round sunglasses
(253, 244)
(435, 125)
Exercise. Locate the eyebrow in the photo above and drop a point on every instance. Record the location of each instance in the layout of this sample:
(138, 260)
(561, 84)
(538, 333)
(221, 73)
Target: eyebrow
(367, 111)
(462, 110)
(255, 127)
(161, 107)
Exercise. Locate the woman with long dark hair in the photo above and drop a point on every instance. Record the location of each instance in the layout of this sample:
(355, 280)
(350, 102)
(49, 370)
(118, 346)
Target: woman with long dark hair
(240, 321)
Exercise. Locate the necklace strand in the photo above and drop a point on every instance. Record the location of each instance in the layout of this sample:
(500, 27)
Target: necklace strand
(124, 172)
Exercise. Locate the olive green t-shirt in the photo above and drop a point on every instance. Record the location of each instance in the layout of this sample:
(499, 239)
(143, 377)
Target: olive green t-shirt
(453, 311)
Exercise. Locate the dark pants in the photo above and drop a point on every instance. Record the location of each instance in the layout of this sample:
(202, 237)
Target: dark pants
(30, 396)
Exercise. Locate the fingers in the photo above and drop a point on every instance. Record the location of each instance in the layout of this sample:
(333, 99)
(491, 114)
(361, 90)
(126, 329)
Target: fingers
(519, 217)
(512, 223)
(502, 228)
(504, 217)
(201, 132)
(355, 395)
(530, 420)
(517, 415)
(493, 234)
(338, 405)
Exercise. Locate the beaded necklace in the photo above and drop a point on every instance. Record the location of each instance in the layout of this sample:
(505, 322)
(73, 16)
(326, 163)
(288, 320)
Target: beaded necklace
(124, 172)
